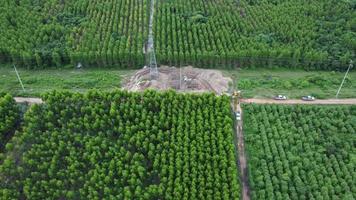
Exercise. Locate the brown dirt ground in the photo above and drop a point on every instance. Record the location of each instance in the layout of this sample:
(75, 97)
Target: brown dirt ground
(185, 79)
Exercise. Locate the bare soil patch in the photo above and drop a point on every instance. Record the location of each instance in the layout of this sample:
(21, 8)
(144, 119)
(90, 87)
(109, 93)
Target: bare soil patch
(185, 79)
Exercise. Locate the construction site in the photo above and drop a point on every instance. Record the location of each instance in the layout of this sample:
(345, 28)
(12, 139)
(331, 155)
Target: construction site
(184, 79)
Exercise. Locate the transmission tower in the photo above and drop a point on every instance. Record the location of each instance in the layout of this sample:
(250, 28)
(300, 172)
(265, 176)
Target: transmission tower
(150, 47)
(152, 59)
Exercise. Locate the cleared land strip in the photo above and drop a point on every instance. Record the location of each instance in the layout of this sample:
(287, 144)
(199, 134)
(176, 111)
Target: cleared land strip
(242, 158)
(297, 101)
(28, 100)
(258, 101)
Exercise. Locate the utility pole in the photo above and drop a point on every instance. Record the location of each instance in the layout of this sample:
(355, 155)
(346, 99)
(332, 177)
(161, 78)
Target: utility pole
(18, 77)
(343, 80)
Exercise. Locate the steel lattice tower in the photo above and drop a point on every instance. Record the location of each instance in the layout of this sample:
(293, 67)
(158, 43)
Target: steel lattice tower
(152, 59)
(150, 47)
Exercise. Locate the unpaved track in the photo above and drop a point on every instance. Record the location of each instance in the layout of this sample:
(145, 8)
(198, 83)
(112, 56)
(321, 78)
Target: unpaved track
(242, 158)
(28, 100)
(297, 101)
(257, 101)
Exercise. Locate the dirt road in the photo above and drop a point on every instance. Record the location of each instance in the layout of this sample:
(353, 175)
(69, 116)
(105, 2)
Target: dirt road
(242, 158)
(28, 100)
(297, 101)
(257, 101)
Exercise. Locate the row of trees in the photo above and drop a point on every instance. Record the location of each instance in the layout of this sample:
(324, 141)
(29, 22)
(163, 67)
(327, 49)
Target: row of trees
(31, 34)
(9, 116)
(301, 152)
(222, 33)
(209, 34)
(55, 33)
(114, 35)
(122, 145)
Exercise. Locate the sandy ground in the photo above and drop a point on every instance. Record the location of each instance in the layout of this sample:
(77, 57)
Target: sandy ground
(28, 100)
(184, 79)
(297, 101)
(257, 101)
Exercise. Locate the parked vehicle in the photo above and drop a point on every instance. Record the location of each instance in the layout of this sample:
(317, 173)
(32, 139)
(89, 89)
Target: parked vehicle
(308, 98)
(238, 116)
(280, 97)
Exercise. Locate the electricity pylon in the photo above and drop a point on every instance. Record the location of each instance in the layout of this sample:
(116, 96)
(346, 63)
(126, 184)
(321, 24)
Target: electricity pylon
(152, 59)
(150, 47)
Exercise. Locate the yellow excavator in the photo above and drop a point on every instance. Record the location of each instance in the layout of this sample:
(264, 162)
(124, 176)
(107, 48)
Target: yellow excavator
(236, 95)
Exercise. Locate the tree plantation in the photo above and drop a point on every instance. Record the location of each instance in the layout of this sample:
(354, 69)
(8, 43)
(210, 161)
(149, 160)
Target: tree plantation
(39, 33)
(287, 33)
(122, 145)
(165, 145)
(101, 131)
(214, 33)
(301, 152)
(9, 116)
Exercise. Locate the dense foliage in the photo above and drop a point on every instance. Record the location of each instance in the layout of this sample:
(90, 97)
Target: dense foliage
(287, 33)
(123, 145)
(294, 33)
(301, 152)
(39, 33)
(9, 116)
(322, 81)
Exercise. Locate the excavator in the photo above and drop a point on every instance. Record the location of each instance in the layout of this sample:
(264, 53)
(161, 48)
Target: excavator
(236, 95)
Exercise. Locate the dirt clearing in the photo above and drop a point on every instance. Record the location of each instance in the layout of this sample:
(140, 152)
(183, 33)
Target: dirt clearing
(185, 79)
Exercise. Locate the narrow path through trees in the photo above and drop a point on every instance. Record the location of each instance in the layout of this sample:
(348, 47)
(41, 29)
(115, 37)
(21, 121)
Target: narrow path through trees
(242, 157)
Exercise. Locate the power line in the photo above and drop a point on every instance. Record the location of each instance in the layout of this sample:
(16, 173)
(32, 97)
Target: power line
(343, 80)
(18, 77)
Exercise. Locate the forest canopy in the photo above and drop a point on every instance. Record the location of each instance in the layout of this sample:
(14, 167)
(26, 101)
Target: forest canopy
(122, 145)
(223, 33)
(301, 151)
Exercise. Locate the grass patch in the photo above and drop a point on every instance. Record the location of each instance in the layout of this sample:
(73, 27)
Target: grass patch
(257, 83)
(78, 80)
(261, 83)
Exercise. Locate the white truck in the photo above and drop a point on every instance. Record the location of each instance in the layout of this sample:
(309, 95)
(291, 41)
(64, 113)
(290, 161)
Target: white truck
(280, 97)
(308, 98)
(238, 116)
